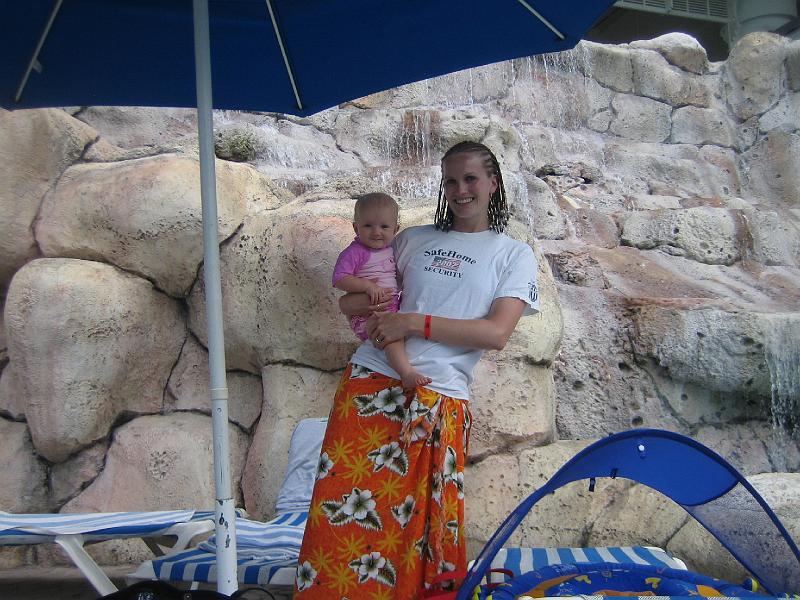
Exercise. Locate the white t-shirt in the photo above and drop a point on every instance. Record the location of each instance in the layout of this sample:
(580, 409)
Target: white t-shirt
(456, 275)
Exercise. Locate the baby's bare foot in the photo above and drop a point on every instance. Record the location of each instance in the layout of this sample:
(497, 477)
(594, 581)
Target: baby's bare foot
(412, 379)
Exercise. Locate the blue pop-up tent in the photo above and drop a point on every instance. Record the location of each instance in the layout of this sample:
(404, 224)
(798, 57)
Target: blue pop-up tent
(693, 476)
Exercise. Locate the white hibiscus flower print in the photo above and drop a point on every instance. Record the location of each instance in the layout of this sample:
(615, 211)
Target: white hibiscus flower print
(359, 372)
(459, 481)
(436, 487)
(306, 574)
(391, 456)
(403, 512)
(358, 504)
(450, 465)
(358, 507)
(389, 403)
(374, 566)
(324, 466)
(390, 400)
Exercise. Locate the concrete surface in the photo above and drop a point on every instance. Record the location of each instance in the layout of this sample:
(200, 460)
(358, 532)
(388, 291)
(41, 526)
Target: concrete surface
(53, 583)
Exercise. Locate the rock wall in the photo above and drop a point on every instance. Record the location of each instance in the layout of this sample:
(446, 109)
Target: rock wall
(659, 190)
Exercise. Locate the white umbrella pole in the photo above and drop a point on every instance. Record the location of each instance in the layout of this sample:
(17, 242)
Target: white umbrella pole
(223, 507)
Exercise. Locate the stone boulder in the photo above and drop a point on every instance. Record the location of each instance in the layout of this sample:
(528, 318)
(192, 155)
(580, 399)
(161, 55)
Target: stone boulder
(775, 237)
(512, 393)
(633, 514)
(512, 405)
(71, 477)
(785, 115)
(492, 489)
(12, 403)
(279, 304)
(160, 462)
(88, 343)
(311, 393)
(23, 474)
(671, 170)
(610, 66)
(715, 349)
(700, 126)
(654, 77)
(772, 172)
(280, 146)
(189, 380)
(36, 146)
(705, 234)
(135, 126)
(599, 389)
(546, 218)
(157, 463)
(144, 215)
(640, 119)
(680, 49)
(753, 79)
(561, 519)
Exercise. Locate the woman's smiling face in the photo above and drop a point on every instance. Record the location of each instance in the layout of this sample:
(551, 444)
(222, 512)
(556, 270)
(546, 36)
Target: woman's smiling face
(468, 187)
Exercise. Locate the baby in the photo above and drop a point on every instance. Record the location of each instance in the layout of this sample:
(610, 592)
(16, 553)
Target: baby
(367, 265)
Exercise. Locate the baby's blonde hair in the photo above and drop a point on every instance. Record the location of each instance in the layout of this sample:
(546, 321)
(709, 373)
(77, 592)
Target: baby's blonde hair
(377, 199)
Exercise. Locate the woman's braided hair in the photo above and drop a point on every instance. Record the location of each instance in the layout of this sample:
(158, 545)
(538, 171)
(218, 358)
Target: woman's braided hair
(498, 208)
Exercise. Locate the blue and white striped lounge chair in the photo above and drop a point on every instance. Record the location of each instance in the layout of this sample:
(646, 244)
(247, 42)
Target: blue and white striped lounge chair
(524, 560)
(73, 531)
(266, 552)
(266, 555)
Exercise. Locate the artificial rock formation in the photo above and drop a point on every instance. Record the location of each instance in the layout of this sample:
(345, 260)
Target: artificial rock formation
(658, 190)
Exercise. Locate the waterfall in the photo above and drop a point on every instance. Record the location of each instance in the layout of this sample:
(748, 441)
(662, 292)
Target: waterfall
(782, 354)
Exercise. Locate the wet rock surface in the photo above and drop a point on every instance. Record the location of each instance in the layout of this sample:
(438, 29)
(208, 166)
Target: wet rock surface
(659, 191)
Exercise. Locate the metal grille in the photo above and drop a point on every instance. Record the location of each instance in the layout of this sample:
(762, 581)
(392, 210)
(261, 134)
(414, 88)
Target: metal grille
(706, 10)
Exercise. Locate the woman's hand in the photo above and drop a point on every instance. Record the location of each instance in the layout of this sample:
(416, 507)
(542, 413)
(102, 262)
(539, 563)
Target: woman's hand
(387, 327)
(358, 303)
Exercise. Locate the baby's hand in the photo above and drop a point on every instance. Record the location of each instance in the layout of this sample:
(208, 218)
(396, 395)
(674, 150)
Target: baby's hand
(375, 293)
(386, 294)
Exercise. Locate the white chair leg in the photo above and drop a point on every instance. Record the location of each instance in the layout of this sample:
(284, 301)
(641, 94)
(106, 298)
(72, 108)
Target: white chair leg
(73, 546)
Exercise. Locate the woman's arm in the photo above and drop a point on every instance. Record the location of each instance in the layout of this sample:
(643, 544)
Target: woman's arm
(490, 333)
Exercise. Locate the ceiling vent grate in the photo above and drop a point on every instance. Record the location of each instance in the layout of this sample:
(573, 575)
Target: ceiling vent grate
(706, 10)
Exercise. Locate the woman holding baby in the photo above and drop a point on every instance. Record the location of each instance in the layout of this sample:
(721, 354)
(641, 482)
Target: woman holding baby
(387, 514)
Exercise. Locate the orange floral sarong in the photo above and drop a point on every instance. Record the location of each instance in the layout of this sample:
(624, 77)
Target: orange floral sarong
(387, 513)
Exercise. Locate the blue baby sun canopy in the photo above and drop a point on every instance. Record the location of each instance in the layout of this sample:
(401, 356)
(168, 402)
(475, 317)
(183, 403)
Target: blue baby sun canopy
(698, 479)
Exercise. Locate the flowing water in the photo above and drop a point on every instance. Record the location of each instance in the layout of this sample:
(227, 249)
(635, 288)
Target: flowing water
(783, 360)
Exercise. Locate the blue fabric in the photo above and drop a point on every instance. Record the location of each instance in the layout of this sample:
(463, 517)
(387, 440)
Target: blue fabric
(606, 578)
(140, 52)
(695, 477)
(523, 560)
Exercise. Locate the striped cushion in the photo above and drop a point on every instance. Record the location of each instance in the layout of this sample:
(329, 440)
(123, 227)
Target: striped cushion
(266, 554)
(16, 529)
(523, 560)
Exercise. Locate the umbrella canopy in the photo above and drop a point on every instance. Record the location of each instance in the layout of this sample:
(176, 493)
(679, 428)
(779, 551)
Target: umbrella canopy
(140, 52)
(289, 56)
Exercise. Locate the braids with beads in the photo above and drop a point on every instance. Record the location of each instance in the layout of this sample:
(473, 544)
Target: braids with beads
(498, 208)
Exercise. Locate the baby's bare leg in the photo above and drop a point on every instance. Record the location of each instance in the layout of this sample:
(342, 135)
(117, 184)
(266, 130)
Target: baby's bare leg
(396, 355)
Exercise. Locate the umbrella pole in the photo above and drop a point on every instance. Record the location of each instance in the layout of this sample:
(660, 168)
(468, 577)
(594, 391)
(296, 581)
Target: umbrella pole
(223, 507)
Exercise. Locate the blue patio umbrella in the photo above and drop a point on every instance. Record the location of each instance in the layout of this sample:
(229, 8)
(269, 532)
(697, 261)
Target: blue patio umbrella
(289, 56)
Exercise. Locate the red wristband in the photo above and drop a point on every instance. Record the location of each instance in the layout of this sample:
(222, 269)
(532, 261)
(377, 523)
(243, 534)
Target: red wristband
(427, 327)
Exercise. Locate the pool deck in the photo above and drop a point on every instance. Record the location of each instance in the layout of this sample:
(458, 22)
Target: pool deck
(53, 583)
